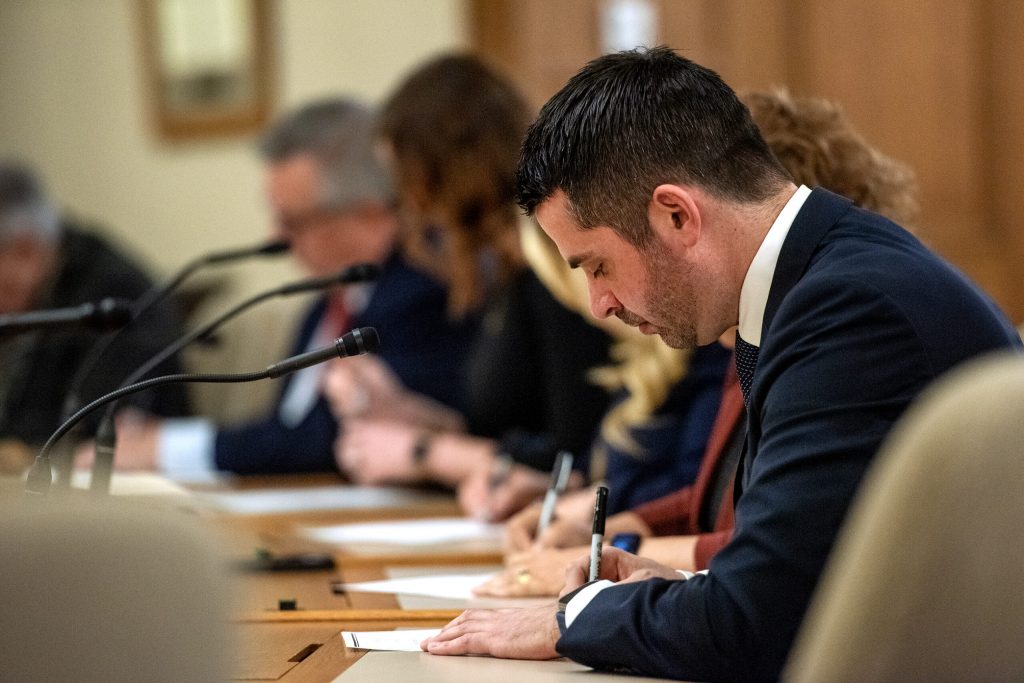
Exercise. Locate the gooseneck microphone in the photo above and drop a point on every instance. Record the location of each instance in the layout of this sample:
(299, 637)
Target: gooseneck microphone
(106, 436)
(362, 272)
(157, 294)
(266, 249)
(357, 342)
(152, 297)
(106, 314)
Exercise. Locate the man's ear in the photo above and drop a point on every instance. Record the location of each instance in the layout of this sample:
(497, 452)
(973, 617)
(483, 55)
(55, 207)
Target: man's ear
(674, 214)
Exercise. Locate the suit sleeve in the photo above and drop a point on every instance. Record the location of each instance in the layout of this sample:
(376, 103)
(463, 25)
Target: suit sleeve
(269, 446)
(841, 364)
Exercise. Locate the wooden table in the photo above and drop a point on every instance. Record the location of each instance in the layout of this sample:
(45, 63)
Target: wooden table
(307, 646)
(304, 644)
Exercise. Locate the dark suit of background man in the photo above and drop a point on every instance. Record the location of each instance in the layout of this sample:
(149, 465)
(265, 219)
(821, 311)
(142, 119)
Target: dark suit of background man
(333, 202)
(50, 262)
(649, 174)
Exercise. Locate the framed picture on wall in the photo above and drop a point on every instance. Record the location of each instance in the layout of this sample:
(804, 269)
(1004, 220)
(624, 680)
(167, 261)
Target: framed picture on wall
(207, 65)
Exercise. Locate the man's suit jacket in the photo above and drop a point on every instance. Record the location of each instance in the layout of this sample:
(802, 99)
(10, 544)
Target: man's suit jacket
(860, 317)
(89, 269)
(422, 346)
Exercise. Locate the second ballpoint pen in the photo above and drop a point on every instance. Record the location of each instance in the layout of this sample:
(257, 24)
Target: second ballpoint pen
(559, 480)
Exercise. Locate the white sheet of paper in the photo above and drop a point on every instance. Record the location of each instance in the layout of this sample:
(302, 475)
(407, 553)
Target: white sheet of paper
(407, 640)
(452, 586)
(132, 484)
(440, 588)
(410, 533)
(207, 478)
(285, 500)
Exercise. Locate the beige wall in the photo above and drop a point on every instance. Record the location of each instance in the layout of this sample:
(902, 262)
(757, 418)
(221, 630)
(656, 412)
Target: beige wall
(73, 105)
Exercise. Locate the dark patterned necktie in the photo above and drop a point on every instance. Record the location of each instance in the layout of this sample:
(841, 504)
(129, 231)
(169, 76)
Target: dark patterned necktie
(746, 361)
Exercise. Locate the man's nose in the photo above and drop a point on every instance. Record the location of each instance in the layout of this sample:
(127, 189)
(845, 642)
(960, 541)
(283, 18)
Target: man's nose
(602, 302)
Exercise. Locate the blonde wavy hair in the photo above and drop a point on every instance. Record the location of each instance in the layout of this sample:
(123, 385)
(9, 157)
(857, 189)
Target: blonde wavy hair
(818, 146)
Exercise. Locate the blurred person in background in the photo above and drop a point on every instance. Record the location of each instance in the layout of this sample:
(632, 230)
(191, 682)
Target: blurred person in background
(333, 202)
(818, 146)
(451, 133)
(50, 261)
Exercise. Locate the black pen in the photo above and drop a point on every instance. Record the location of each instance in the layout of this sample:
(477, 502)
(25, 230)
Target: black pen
(597, 533)
(559, 480)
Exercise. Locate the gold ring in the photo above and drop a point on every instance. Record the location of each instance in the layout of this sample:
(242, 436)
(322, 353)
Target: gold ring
(522, 575)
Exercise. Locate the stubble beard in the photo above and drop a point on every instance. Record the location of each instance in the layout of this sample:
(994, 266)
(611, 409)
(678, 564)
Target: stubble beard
(670, 299)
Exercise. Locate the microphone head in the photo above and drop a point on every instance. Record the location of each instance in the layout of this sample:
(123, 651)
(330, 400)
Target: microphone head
(268, 249)
(274, 248)
(360, 272)
(357, 342)
(109, 314)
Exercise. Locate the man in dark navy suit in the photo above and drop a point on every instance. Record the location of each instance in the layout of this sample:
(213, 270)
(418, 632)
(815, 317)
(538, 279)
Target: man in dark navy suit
(333, 201)
(649, 174)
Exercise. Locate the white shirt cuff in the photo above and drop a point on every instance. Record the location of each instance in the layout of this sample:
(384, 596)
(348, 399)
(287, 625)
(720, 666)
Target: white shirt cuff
(184, 448)
(689, 575)
(582, 599)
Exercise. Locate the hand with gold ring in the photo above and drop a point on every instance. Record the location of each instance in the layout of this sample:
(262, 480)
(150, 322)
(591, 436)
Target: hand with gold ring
(533, 573)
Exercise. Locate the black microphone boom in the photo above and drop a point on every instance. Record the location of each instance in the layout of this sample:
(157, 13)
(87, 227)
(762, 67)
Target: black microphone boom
(157, 294)
(359, 341)
(151, 298)
(357, 273)
(360, 272)
(106, 314)
(267, 249)
(106, 436)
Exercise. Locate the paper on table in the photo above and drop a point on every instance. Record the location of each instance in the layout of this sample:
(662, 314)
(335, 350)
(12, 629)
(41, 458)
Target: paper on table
(402, 640)
(283, 500)
(415, 532)
(132, 484)
(454, 586)
(451, 588)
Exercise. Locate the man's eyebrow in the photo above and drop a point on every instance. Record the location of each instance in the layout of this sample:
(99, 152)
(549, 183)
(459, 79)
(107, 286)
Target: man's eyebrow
(577, 261)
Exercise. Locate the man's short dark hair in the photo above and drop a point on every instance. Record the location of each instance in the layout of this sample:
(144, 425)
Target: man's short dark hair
(630, 121)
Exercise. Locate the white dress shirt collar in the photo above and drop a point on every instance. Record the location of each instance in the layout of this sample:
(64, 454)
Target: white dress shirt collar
(758, 281)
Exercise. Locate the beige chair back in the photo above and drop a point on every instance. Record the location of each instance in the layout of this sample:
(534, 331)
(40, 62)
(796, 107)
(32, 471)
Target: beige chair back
(112, 591)
(927, 579)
